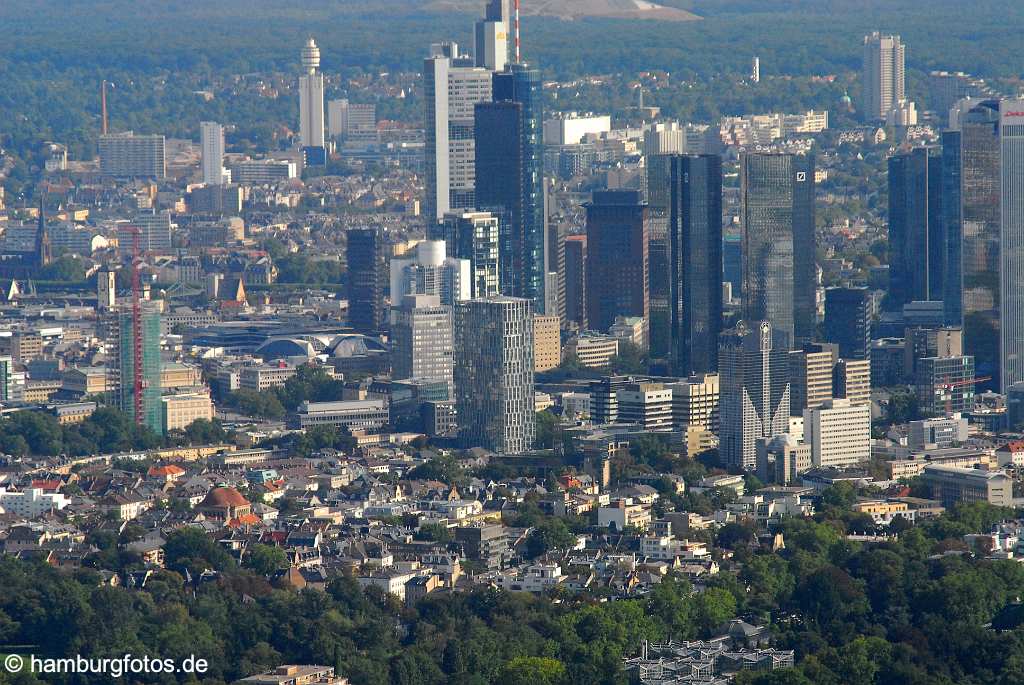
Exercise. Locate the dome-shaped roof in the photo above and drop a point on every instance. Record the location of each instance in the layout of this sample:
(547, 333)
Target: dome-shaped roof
(282, 348)
(224, 497)
(354, 344)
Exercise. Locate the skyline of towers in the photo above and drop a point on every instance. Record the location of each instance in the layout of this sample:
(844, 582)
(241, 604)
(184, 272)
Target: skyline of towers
(777, 222)
(311, 98)
(695, 240)
(617, 258)
(883, 75)
(494, 368)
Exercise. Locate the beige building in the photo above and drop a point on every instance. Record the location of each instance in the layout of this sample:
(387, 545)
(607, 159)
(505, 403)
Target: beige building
(547, 343)
(181, 410)
(37, 392)
(649, 405)
(951, 485)
(810, 376)
(839, 433)
(265, 376)
(593, 350)
(695, 402)
(87, 380)
(179, 376)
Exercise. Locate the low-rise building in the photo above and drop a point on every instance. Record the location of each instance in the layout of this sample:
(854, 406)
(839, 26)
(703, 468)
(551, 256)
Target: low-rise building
(624, 513)
(951, 485)
(365, 414)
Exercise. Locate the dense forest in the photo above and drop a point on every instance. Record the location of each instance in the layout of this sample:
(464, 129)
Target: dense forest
(908, 611)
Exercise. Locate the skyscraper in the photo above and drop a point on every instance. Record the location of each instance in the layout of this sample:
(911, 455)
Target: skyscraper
(494, 374)
(917, 241)
(367, 277)
(142, 326)
(423, 346)
(1011, 267)
(491, 39)
(883, 77)
(576, 280)
(475, 237)
(617, 278)
(777, 218)
(952, 289)
(848, 321)
(212, 135)
(510, 178)
(452, 86)
(695, 237)
(311, 98)
(754, 400)
(979, 231)
(429, 271)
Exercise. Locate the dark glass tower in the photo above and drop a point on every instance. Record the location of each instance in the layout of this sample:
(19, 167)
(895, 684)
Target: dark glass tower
(510, 177)
(695, 238)
(848, 321)
(367, 276)
(576, 280)
(617, 258)
(777, 216)
(916, 227)
(952, 285)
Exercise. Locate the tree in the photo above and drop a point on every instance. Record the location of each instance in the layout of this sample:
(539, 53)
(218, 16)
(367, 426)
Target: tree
(265, 560)
(551, 534)
(715, 607)
(547, 424)
(532, 670)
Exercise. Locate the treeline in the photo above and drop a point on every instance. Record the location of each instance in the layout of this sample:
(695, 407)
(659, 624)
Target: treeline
(904, 611)
(309, 383)
(108, 430)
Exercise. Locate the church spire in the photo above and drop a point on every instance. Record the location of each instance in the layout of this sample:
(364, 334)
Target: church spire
(44, 250)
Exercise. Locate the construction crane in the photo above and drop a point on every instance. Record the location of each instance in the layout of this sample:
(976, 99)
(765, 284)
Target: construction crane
(138, 380)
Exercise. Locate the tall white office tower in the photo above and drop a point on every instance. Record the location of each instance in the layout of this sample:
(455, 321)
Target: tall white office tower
(883, 77)
(311, 97)
(1011, 249)
(423, 347)
(491, 41)
(494, 366)
(755, 70)
(429, 271)
(452, 87)
(212, 135)
(754, 403)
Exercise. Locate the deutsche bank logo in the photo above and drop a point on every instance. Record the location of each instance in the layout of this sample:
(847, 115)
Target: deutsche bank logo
(801, 176)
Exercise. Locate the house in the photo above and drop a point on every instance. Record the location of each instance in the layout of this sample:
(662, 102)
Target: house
(623, 513)
(295, 675)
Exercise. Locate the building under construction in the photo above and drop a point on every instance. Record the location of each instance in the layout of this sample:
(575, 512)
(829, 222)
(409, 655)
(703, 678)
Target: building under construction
(134, 343)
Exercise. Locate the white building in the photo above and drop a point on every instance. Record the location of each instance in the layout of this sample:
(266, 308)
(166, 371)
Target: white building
(429, 271)
(423, 346)
(883, 75)
(570, 128)
(452, 88)
(311, 97)
(32, 502)
(648, 405)
(902, 114)
(212, 139)
(839, 433)
(492, 37)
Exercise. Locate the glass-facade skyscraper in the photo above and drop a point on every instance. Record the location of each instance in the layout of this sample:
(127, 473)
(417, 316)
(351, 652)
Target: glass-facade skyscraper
(695, 238)
(367, 278)
(510, 177)
(617, 266)
(1011, 268)
(148, 333)
(916, 226)
(777, 219)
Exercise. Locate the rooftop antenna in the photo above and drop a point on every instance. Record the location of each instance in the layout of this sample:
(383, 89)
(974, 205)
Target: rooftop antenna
(103, 104)
(516, 20)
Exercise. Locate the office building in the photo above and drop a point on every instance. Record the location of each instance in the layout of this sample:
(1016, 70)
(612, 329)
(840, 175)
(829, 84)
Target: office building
(1015, 406)
(848, 321)
(151, 232)
(646, 405)
(139, 400)
(106, 289)
(263, 171)
(429, 271)
(945, 385)
(311, 98)
(12, 382)
(755, 390)
(367, 278)
(494, 374)
(492, 37)
(930, 342)
(695, 402)
(732, 263)
(781, 459)
(474, 237)
(423, 344)
(1011, 267)
(487, 544)
(956, 485)
(593, 350)
(777, 219)
(510, 179)
(936, 433)
(126, 155)
(975, 247)
(617, 276)
(695, 237)
(883, 75)
(368, 415)
(351, 122)
(917, 242)
(811, 376)
(659, 286)
(547, 342)
(575, 279)
(180, 411)
(212, 141)
(851, 380)
(451, 90)
(839, 433)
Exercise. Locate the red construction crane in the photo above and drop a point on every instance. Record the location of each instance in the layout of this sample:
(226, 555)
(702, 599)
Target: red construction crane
(138, 380)
(949, 385)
